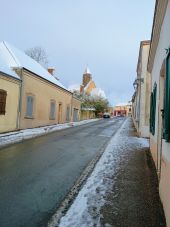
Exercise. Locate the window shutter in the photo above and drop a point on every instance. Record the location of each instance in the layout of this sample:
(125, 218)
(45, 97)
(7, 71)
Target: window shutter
(68, 113)
(52, 110)
(3, 95)
(166, 120)
(153, 109)
(29, 112)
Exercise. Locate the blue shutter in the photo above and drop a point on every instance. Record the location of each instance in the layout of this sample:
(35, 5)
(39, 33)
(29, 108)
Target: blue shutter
(75, 115)
(52, 110)
(68, 114)
(29, 112)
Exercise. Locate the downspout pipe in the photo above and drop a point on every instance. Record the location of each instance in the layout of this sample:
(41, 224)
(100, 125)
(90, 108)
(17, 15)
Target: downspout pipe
(20, 99)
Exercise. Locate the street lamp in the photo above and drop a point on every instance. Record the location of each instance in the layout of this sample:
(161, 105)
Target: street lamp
(138, 81)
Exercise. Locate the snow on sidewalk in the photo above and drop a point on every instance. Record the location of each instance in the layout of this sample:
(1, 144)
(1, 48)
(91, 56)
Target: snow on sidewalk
(17, 136)
(85, 210)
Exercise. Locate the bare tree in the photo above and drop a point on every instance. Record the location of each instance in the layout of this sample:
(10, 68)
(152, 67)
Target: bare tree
(39, 55)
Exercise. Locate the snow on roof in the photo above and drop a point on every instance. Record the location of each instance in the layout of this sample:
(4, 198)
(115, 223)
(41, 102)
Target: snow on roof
(16, 58)
(87, 71)
(4, 68)
(74, 87)
(98, 92)
(87, 85)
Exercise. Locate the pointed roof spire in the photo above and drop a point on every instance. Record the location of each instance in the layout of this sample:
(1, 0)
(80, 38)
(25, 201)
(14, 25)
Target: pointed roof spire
(87, 70)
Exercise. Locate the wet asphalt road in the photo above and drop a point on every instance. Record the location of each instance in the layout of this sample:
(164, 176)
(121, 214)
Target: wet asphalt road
(36, 175)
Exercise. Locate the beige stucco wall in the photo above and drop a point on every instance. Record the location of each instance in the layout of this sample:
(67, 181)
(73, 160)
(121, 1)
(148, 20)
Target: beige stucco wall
(43, 93)
(164, 150)
(144, 92)
(87, 114)
(8, 122)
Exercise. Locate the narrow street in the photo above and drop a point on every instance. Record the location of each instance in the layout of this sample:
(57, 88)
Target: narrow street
(37, 174)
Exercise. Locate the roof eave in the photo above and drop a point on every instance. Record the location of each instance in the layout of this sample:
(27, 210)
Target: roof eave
(47, 80)
(8, 75)
(156, 35)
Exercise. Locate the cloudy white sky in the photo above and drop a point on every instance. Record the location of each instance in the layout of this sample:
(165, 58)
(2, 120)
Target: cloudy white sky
(103, 34)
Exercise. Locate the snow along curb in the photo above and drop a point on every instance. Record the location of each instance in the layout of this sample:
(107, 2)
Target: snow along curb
(85, 210)
(18, 136)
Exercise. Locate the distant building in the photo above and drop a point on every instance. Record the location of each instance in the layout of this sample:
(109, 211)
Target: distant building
(87, 84)
(140, 100)
(122, 109)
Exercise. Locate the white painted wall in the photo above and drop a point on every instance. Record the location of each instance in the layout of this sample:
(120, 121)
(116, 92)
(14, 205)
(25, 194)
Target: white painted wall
(143, 127)
(164, 42)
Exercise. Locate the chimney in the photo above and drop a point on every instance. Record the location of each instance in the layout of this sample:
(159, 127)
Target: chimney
(51, 70)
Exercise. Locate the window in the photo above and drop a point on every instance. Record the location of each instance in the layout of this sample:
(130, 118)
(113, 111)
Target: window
(153, 109)
(29, 110)
(166, 114)
(3, 95)
(68, 113)
(52, 110)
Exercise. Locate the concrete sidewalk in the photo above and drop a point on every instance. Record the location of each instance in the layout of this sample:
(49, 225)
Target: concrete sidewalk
(123, 188)
(134, 200)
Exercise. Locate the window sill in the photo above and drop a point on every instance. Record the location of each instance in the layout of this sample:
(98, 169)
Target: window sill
(27, 117)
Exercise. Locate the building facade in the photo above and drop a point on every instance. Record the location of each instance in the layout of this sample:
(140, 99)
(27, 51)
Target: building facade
(140, 100)
(87, 84)
(159, 68)
(123, 109)
(40, 99)
(10, 84)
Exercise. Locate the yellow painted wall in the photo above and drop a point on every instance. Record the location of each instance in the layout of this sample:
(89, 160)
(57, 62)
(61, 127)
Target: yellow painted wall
(8, 122)
(43, 92)
(90, 87)
(86, 114)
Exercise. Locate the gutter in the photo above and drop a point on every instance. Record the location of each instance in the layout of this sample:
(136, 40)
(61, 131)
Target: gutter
(10, 76)
(156, 4)
(20, 101)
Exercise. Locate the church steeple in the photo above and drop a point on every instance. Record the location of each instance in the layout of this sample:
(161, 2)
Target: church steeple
(87, 71)
(87, 76)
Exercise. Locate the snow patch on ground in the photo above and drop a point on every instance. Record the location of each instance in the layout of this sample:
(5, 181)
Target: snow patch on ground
(85, 210)
(17, 136)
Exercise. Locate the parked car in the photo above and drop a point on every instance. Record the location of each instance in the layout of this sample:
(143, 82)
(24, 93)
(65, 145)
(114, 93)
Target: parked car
(106, 115)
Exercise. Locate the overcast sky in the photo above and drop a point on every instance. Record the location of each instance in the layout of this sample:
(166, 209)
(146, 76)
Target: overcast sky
(105, 34)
